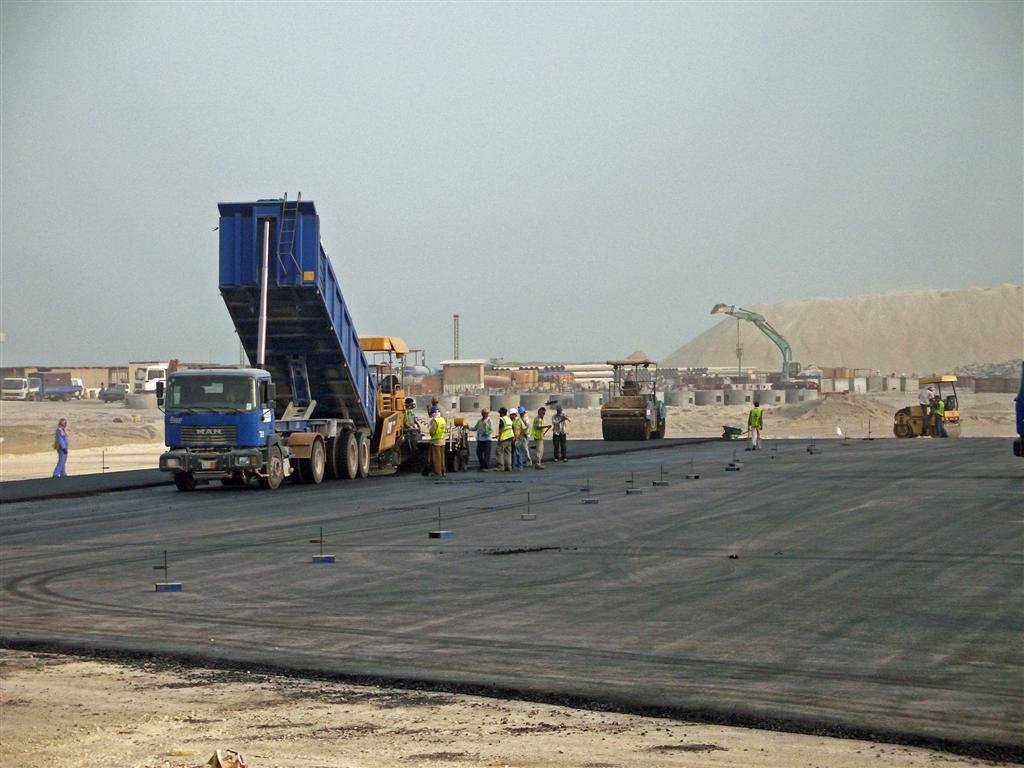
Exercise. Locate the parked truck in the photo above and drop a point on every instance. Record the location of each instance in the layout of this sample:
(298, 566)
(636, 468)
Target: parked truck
(313, 406)
(58, 385)
(20, 388)
(148, 375)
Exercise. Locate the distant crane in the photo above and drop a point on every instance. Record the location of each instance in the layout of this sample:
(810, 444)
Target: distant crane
(765, 327)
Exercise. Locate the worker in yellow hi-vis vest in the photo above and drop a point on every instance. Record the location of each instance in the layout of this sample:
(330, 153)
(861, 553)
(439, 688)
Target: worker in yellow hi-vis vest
(437, 430)
(506, 437)
(755, 423)
(538, 429)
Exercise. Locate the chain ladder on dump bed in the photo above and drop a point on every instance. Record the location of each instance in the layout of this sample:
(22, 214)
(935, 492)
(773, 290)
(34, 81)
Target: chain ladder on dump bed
(287, 233)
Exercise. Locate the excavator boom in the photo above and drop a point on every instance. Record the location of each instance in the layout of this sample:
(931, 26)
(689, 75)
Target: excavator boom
(764, 326)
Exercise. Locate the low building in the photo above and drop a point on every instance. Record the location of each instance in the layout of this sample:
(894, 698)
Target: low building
(462, 376)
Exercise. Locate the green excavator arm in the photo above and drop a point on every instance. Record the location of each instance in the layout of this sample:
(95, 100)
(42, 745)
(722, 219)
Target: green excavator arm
(765, 328)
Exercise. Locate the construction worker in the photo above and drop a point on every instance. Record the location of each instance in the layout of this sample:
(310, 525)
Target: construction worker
(939, 412)
(437, 430)
(517, 455)
(409, 418)
(506, 437)
(60, 445)
(558, 437)
(924, 399)
(537, 431)
(755, 423)
(522, 457)
(483, 430)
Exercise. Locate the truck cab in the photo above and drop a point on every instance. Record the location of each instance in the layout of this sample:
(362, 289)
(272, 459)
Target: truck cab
(219, 424)
(148, 376)
(16, 388)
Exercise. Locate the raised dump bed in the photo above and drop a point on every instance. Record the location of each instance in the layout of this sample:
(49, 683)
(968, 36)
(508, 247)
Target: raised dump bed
(312, 348)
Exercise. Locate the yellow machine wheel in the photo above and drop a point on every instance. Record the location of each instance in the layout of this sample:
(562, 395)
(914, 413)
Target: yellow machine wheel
(902, 429)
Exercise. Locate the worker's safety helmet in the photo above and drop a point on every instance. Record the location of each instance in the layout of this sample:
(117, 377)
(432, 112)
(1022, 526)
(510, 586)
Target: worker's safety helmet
(434, 409)
(522, 409)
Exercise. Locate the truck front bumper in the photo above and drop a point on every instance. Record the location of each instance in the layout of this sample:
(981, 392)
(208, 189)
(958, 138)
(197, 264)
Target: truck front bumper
(212, 463)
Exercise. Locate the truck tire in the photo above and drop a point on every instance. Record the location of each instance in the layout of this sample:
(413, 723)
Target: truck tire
(331, 459)
(185, 481)
(298, 474)
(275, 469)
(347, 460)
(363, 449)
(315, 466)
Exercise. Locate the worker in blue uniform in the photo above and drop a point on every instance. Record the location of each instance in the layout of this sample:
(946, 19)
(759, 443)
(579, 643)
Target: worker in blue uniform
(60, 444)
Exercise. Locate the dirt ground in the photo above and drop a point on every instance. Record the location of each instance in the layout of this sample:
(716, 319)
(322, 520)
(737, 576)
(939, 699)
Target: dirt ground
(75, 713)
(111, 437)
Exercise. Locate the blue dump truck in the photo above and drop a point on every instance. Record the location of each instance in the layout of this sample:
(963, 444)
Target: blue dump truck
(313, 406)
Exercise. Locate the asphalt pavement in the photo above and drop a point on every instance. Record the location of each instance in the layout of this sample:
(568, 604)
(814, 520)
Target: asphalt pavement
(870, 589)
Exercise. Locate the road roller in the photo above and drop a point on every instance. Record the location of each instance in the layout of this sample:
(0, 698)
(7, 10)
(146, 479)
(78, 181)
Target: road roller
(633, 410)
(911, 421)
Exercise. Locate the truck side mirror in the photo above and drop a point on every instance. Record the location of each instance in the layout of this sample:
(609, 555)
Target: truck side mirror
(160, 393)
(271, 393)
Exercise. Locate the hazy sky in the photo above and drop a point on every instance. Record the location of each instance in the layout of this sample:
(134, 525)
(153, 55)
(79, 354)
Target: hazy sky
(576, 180)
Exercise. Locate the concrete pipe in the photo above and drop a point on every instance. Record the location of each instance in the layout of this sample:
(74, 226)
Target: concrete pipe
(531, 401)
(679, 397)
(709, 397)
(801, 395)
(739, 397)
(504, 401)
(770, 396)
(473, 403)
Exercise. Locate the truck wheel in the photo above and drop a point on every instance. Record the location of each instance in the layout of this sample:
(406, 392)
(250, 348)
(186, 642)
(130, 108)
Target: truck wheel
(363, 448)
(315, 466)
(331, 459)
(347, 460)
(275, 469)
(902, 429)
(299, 468)
(185, 481)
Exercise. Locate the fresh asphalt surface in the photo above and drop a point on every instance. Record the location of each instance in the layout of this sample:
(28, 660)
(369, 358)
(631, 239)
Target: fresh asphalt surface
(872, 589)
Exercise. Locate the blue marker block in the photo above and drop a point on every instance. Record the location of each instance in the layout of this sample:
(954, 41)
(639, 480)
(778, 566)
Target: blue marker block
(591, 501)
(659, 483)
(633, 491)
(440, 534)
(168, 586)
(323, 558)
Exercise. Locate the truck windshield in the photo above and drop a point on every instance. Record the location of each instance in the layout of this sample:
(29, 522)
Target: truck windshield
(211, 393)
(15, 384)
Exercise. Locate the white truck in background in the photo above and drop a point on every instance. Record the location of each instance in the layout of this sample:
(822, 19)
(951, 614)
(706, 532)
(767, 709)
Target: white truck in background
(146, 377)
(17, 388)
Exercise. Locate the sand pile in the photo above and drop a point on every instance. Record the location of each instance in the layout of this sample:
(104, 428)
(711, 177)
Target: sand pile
(907, 332)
